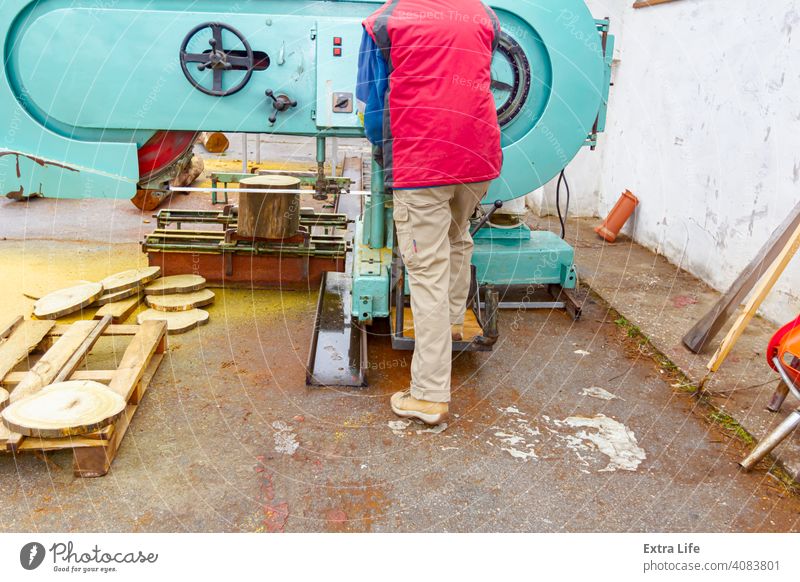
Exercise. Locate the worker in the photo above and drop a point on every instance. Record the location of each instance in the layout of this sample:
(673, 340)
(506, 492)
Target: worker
(424, 93)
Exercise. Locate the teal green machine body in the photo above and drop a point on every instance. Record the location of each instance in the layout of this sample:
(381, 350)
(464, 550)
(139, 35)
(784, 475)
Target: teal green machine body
(85, 85)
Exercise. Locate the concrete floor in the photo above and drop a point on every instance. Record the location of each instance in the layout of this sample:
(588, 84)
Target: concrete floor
(228, 438)
(664, 302)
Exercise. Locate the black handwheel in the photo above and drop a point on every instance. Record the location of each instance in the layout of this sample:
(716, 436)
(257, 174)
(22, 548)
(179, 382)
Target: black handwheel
(217, 59)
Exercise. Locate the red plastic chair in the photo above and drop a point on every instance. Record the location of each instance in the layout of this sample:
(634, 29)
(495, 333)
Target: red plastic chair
(783, 356)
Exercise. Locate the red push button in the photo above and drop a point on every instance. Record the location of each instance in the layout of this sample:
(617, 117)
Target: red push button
(337, 41)
(337, 52)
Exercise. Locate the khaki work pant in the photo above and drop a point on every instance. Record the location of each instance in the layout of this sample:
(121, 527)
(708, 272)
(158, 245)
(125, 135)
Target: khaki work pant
(433, 233)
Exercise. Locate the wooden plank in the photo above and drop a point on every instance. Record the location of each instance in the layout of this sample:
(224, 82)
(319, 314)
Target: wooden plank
(710, 325)
(20, 343)
(9, 326)
(472, 328)
(39, 444)
(119, 311)
(107, 298)
(135, 359)
(646, 3)
(96, 461)
(82, 351)
(759, 295)
(102, 376)
(136, 396)
(48, 367)
(113, 330)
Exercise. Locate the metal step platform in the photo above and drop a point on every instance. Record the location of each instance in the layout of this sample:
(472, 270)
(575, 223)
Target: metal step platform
(338, 355)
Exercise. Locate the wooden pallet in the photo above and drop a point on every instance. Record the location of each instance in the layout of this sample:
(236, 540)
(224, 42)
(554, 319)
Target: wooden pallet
(64, 349)
(472, 328)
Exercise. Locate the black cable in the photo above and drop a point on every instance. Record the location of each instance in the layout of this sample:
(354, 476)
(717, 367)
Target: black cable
(562, 218)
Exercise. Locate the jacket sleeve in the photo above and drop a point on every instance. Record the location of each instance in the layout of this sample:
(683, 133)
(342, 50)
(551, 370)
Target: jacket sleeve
(498, 31)
(371, 88)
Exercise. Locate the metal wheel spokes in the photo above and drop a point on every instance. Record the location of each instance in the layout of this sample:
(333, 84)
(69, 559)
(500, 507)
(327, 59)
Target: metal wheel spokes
(513, 87)
(217, 59)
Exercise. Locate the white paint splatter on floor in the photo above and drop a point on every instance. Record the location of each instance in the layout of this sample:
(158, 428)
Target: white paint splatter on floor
(285, 439)
(519, 439)
(439, 428)
(511, 410)
(399, 427)
(600, 393)
(612, 438)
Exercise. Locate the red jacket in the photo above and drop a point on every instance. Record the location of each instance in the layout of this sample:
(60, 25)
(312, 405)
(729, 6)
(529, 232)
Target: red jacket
(440, 122)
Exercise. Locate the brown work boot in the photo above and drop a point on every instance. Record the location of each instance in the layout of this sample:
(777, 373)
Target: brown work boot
(406, 406)
(458, 332)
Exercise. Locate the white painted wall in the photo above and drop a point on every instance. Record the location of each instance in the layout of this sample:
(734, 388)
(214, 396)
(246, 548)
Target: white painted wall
(704, 127)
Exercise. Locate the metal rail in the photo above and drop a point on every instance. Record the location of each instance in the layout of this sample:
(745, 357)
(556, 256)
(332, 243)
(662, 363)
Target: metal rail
(255, 191)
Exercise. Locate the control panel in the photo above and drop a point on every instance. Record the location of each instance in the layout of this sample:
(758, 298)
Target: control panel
(338, 43)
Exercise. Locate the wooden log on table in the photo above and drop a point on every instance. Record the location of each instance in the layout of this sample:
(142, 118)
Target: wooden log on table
(64, 409)
(710, 325)
(269, 215)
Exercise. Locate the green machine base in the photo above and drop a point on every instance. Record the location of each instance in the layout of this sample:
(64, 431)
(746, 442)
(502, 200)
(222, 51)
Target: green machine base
(521, 257)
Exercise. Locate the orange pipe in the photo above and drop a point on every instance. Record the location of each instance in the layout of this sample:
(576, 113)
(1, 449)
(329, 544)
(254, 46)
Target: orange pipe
(618, 216)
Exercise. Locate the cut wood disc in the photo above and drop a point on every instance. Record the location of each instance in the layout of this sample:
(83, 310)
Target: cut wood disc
(3, 398)
(64, 409)
(175, 284)
(181, 301)
(66, 301)
(40, 289)
(129, 279)
(177, 321)
(117, 296)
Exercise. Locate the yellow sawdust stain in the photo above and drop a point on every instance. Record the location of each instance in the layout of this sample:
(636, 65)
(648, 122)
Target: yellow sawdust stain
(38, 268)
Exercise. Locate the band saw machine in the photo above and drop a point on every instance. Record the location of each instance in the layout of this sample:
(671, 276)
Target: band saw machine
(104, 100)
